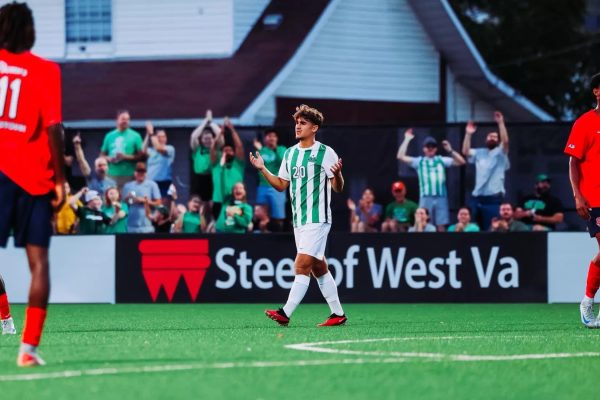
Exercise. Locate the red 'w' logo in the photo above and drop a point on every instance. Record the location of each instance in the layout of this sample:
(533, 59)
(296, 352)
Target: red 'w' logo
(164, 262)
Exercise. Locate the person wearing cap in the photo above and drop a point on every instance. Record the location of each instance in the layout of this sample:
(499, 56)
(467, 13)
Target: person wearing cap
(92, 221)
(491, 163)
(540, 210)
(399, 214)
(137, 193)
(431, 171)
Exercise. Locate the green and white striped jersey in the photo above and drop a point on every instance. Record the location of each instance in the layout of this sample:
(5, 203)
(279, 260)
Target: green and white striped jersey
(432, 174)
(308, 171)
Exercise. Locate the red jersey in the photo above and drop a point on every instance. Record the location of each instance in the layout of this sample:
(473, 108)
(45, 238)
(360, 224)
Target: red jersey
(30, 102)
(584, 144)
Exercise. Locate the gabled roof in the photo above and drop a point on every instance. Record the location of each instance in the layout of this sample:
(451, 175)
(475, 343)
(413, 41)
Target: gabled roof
(184, 89)
(469, 68)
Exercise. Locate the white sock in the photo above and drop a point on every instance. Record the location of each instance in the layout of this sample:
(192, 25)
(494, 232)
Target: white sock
(588, 299)
(27, 348)
(329, 291)
(297, 292)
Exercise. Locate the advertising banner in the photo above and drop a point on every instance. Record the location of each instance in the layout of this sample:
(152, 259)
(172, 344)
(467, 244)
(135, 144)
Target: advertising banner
(418, 267)
(82, 270)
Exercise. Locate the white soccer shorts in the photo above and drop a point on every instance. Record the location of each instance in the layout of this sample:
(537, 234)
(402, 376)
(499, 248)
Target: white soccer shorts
(311, 239)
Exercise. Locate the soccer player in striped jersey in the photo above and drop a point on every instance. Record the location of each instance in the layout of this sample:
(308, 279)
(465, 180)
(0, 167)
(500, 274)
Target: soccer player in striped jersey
(311, 170)
(431, 170)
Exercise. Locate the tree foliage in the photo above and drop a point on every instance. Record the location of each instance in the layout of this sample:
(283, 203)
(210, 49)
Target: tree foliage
(540, 48)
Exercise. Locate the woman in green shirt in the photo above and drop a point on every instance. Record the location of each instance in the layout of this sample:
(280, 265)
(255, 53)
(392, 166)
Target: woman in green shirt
(201, 141)
(192, 220)
(236, 214)
(112, 206)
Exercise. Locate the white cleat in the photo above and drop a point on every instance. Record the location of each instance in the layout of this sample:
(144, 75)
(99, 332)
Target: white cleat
(8, 326)
(587, 313)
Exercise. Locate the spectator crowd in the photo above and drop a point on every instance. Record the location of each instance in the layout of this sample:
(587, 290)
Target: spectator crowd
(131, 187)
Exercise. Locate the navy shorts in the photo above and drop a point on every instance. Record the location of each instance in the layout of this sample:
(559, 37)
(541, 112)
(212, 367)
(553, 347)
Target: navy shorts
(594, 222)
(27, 217)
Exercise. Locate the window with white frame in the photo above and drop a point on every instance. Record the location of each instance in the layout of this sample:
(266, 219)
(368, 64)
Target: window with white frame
(88, 26)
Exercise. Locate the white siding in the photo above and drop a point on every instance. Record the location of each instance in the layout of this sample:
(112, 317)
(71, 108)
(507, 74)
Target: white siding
(245, 15)
(157, 28)
(266, 113)
(374, 50)
(463, 105)
(49, 20)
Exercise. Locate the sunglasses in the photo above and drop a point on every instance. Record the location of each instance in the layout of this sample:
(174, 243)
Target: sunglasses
(140, 170)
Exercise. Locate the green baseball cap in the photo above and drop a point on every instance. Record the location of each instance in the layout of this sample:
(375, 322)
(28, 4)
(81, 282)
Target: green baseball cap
(542, 178)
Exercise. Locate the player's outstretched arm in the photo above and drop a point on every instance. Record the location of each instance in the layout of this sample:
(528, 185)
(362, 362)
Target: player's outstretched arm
(275, 181)
(337, 182)
(56, 136)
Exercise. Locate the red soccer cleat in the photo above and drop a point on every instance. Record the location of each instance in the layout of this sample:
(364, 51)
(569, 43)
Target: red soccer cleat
(278, 316)
(334, 320)
(26, 359)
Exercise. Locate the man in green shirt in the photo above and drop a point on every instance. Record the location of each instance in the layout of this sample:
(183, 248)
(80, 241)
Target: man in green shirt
(506, 222)
(399, 214)
(123, 148)
(272, 154)
(227, 165)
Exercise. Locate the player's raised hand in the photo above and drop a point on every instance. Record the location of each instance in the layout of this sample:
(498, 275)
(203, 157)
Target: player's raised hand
(336, 168)
(582, 207)
(470, 128)
(257, 161)
(409, 134)
(77, 138)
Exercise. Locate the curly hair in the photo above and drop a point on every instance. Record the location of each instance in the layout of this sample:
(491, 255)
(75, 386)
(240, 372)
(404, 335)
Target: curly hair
(16, 27)
(595, 81)
(309, 113)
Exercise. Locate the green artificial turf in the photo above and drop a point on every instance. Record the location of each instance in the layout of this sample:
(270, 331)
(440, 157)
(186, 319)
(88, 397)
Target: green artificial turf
(214, 351)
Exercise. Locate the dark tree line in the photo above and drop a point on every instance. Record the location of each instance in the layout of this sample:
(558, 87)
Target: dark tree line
(540, 48)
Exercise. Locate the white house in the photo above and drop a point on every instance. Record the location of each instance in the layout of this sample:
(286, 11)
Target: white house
(377, 61)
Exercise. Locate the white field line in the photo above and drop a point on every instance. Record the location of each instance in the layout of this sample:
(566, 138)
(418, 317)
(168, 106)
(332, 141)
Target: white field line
(325, 347)
(193, 366)
(388, 358)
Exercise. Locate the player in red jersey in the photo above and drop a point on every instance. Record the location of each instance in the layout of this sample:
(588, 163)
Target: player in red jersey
(32, 180)
(584, 172)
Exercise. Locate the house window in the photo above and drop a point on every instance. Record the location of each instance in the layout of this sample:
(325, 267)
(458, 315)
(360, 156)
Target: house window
(88, 27)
